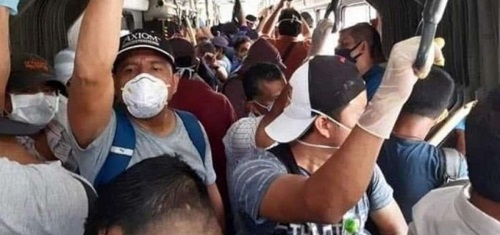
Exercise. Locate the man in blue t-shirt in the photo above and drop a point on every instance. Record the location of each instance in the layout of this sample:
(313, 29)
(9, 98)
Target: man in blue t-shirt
(361, 45)
(412, 166)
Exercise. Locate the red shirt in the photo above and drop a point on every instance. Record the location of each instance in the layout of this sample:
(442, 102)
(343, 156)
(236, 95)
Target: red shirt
(215, 114)
(297, 55)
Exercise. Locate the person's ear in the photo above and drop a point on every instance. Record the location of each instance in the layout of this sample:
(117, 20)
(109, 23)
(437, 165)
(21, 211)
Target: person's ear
(323, 125)
(363, 47)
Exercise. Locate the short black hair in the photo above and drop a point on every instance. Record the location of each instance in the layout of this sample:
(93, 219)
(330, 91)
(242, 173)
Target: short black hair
(256, 74)
(290, 28)
(229, 28)
(482, 135)
(240, 40)
(216, 30)
(157, 189)
(308, 18)
(365, 32)
(251, 18)
(430, 96)
(205, 47)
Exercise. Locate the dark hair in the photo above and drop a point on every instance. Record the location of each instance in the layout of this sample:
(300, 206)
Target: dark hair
(229, 29)
(184, 52)
(430, 96)
(206, 47)
(308, 18)
(258, 73)
(482, 135)
(251, 18)
(215, 30)
(289, 28)
(157, 189)
(365, 32)
(240, 40)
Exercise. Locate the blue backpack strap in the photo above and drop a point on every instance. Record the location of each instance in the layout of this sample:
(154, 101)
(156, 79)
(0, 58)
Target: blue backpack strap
(195, 132)
(121, 150)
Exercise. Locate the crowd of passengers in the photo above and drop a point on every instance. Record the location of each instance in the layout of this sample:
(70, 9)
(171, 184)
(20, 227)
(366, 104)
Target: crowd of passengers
(248, 128)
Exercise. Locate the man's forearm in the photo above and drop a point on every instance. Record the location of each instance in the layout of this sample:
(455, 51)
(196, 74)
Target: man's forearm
(98, 40)
(268, 27)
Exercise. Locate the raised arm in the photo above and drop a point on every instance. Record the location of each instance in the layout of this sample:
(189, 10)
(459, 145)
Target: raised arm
(4, 53)
(306, 31)
(239, 14)
(340, 183)
(268, 28)
(91, 92)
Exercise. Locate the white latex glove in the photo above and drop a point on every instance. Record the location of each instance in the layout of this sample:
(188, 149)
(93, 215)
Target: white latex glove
(321, 35)
(396, 87)
(11, 4)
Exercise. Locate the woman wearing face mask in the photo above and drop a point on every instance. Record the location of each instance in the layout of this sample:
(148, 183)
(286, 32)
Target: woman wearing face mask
(33, 97)
(361, 45)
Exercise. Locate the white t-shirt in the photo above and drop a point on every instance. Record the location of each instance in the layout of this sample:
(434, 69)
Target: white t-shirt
(42, 199)
(448, 211)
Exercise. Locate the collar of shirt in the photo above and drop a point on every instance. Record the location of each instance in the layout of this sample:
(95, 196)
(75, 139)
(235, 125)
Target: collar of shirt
(475, 219)
(373, 72)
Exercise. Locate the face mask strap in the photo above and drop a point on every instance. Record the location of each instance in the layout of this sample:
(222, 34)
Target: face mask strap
(294, 19)
(268, 108)
(354, 48)
(317, 145)
(333, 120)
(182, 70)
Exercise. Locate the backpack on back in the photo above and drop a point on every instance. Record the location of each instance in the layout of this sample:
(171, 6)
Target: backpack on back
(124, 144)
(451, 164)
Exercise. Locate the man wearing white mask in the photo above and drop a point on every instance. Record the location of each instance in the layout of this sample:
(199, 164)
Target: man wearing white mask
(138, 72)
(33, 96)
(37, 197)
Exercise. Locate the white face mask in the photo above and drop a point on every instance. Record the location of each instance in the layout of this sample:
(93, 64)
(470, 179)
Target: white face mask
(145, 96)
(268, 107)
(36, 109)
(317, 145)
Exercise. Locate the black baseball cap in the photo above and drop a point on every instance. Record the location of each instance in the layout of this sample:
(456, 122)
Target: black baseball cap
(145, 39)
(29, 70)
(323, 84)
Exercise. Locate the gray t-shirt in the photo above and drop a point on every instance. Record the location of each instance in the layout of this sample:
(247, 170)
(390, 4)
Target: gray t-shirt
(91, 159)
(42, 199)
(250, 180)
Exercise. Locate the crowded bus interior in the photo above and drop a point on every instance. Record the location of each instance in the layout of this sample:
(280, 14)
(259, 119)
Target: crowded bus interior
(249, 117)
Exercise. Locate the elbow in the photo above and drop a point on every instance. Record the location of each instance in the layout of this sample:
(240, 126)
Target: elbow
(90, 73)
(330, 205)
(330, 208)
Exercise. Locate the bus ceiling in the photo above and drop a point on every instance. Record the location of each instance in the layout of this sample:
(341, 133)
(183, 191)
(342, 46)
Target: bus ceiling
(470, 28)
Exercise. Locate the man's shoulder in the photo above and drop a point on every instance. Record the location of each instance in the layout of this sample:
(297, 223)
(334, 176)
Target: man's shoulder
(412, 147)
(244, 124)
(436, 202)
(259, 159)
(436, 212)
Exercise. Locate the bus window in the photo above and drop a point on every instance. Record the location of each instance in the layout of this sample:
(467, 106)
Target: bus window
(357, 13)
